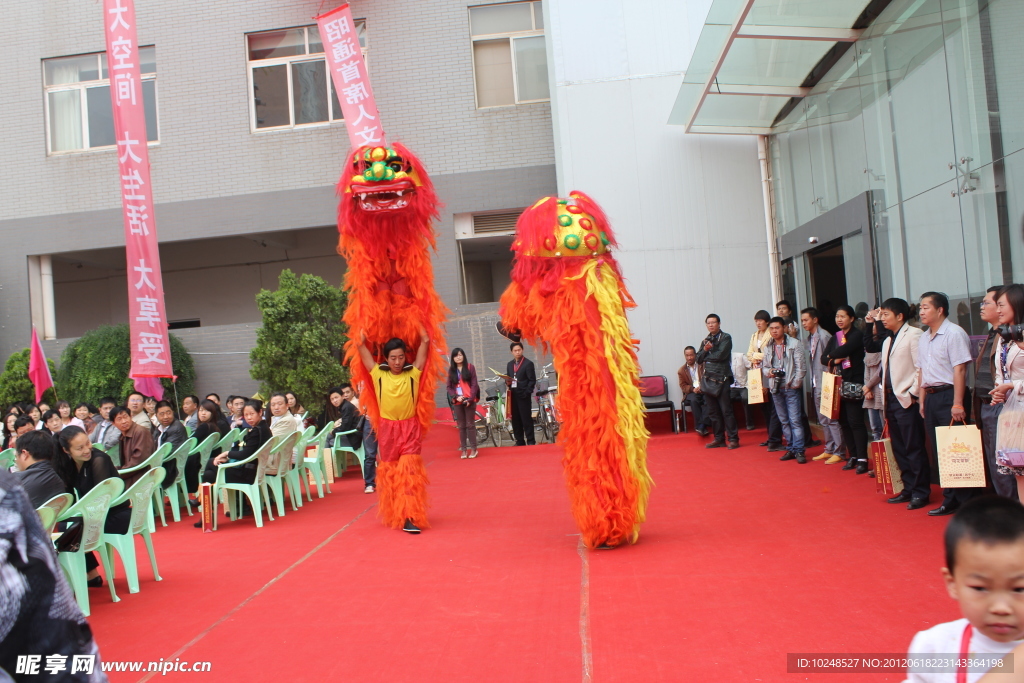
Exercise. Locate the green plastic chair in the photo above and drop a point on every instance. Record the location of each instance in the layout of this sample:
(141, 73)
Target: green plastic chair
(281, 458)
(48, 518)
(7, 458)
(296, 478)
(188, 430)
(316, 464)
(229, 439)
(141, 496)
(100, 447)
(251, 491)
(341, 452)
(177, 485)
(115, 454)
(58, 504)
(149, 463)
(92, 508)
(205, 449)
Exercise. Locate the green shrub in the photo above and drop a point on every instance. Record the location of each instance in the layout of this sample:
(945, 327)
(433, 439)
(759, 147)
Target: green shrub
(299, 346)
(97, 365)
(15, 386)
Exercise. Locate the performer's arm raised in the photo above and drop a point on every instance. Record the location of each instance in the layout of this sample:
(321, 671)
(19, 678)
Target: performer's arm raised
(422, 351)
(364, 353)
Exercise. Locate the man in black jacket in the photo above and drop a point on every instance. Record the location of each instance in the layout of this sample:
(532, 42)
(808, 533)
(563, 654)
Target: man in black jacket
(716, 356)
(520, 394)
(35, 467)
(168, 429)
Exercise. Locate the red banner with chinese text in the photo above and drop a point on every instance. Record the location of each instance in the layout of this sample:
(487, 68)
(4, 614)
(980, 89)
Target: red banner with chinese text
(351, 79)
(147, 320)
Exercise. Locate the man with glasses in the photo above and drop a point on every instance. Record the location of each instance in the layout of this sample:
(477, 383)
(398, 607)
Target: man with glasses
(986, 413)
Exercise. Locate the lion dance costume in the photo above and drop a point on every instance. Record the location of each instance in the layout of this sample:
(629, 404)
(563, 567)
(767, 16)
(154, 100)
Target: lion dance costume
(567, 292)
(386, 237)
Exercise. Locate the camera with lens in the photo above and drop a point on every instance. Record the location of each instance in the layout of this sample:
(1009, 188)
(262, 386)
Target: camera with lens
(1012, 333)
(778, 381)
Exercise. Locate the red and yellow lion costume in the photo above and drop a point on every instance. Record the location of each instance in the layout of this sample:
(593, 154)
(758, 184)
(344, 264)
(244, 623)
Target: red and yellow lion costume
(567, 293)
(385, 221)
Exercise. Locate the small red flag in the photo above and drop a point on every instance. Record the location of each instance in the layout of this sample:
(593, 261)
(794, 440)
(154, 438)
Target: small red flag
(38, 369)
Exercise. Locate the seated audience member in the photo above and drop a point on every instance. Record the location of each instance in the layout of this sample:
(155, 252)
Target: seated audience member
(190, 409)
(210, 422)
(296, 409)
(149, 405)
(236, 405)
(23, 425)
(106, 433)
(43, 407)
(170, 430)
(984, 554)
(222, 419)
(282, 423)
(345, 417)
(9, 436)
(81, 467)
(35, 468)
(255, 436)
(689, 382)
(136, 442)
(136, 408)
(36, 415)
(66, 418)
(84, 415)
(52, 425)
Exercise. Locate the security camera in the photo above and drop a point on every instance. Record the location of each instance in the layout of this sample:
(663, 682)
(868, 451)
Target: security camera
(812, 240)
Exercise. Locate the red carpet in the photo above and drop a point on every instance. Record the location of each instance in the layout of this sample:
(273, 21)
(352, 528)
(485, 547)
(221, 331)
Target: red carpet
(742, 560)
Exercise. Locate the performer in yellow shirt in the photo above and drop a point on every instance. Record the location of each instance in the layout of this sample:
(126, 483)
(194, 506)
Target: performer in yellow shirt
(401, 476)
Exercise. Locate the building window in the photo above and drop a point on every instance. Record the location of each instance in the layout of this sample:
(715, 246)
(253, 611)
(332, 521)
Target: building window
(288, 76)
(509, 58)
(79, 114)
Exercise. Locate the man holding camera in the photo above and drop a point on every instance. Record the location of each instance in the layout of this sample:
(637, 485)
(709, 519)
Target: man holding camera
(784, 368)
(716, 355)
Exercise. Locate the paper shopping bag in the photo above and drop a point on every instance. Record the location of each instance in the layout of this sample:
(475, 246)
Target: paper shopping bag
(755, 389)
(328, 461)
(961, 458)
(209, 509)
(830, 395)
(888, 477)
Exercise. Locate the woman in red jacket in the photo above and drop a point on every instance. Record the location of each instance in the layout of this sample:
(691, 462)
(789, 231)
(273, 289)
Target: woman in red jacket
(465, 394)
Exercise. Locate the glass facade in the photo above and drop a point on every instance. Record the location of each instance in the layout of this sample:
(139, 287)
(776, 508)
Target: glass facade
(926, 114)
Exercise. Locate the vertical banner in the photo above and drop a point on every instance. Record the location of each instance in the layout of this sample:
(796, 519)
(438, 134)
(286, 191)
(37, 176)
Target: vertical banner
(147, 321)
(351, 79)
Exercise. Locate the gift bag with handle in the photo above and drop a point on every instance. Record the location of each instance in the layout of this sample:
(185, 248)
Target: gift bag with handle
(961, 458)
(755, 388)
(888, 477)
(831, 392)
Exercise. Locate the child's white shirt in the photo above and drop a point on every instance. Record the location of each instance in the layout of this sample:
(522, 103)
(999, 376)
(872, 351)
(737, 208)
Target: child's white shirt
(945, 639)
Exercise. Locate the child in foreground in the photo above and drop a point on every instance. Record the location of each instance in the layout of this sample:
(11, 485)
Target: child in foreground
(984, 572)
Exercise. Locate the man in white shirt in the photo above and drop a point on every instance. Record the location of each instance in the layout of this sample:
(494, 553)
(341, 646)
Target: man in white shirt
(136, 406)
(282, 422)
(898, 343)
(944, 352)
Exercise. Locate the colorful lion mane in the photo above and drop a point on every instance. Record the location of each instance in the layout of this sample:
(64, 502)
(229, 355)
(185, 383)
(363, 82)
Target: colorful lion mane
(567, 293)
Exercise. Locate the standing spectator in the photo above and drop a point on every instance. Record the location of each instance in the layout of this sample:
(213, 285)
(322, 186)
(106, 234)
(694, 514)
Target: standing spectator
(738, 391)
(190, 409)
(897, 343)
(716, 356)
(66, 418)
(464, 392)
(944, 351)
(369, 441)
(136, 442)
(1010, 361)
(34, 461)
(523, 379)
(170, 430)
(873, 395)
(986, 411)
(689, 383)
(845, 355)
(105, 432)
(785, 370)
(136, 409)
(818, 339)
(784, 310)
(759, 343)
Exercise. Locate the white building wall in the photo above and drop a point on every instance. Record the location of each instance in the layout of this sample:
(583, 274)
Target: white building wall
(687, 209)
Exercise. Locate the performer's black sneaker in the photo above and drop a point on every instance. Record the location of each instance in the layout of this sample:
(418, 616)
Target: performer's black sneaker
(410, 527)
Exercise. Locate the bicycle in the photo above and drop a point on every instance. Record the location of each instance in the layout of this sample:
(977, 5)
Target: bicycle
(547, 408)
(498, 424)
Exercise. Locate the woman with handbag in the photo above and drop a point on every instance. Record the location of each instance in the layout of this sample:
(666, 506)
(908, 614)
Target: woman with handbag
(845, 356)
(760, 341)
(1009, 379)
(464, 392)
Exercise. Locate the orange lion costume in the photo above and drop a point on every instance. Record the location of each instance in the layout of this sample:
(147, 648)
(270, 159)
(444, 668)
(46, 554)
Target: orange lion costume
(567, 293)
(385, 221)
